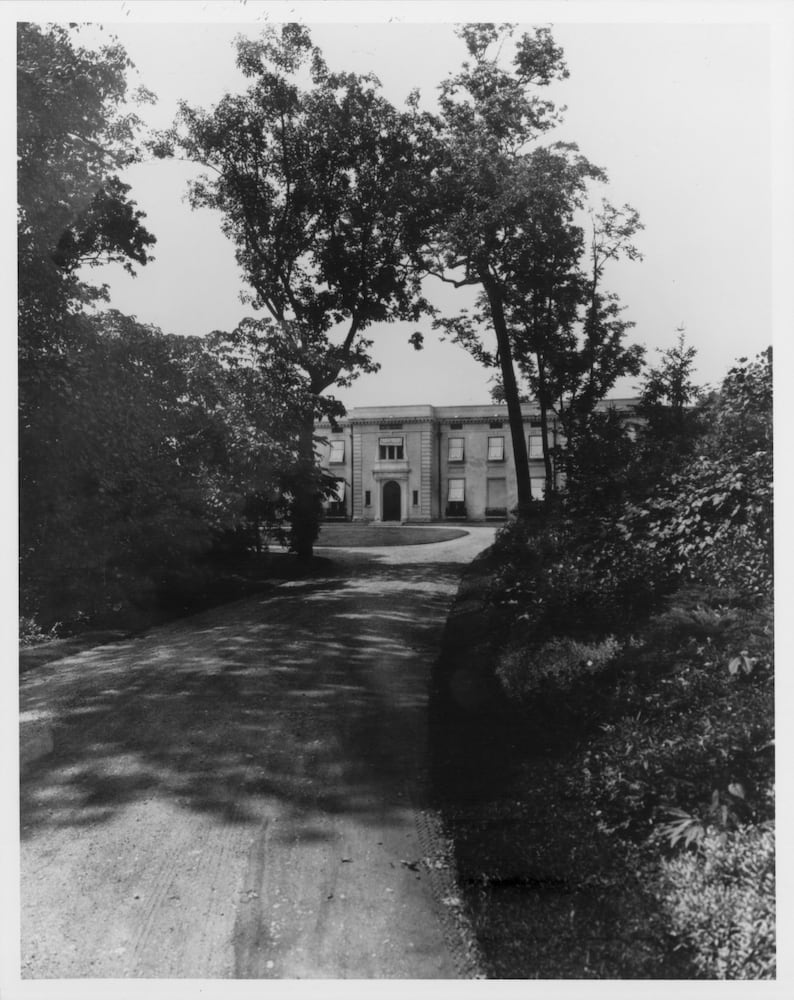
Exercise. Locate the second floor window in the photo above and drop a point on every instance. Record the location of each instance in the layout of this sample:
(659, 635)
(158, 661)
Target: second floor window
(337, 451)
(496, 449)
(390, 449)
(455, 453)
(535, 446)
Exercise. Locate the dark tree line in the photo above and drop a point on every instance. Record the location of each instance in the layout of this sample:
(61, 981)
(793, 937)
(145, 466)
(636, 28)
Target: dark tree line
(138, 450)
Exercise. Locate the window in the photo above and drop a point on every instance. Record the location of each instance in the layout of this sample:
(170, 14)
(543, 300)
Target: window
(456, 426)
(391, 449)
(337, 451)
(496, 425)
(496, 449)
(367, 498)
(496, 498)
(456, 496)
(456, 491)
(335, 505)
(455, 453)
(535, 446)
(538, 487)
(416, 498)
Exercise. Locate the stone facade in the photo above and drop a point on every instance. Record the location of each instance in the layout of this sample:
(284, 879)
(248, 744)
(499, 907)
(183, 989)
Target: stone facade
(430, 463)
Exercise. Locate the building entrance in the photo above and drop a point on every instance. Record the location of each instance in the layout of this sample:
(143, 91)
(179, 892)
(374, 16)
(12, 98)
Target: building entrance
(391, 501)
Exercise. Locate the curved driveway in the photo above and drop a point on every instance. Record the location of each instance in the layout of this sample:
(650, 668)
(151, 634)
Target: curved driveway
(240, 794)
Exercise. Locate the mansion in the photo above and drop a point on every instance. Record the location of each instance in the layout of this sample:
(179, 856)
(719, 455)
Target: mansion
(431, 463)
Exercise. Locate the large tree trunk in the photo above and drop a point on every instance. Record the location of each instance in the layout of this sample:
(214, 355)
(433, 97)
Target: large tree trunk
(307, 504)
(520, 455)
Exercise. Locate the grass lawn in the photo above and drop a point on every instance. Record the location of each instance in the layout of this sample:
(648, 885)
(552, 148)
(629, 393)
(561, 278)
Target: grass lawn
(345, 535)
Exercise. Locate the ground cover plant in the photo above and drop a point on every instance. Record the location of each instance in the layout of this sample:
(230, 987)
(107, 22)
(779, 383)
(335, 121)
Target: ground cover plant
(628, 802)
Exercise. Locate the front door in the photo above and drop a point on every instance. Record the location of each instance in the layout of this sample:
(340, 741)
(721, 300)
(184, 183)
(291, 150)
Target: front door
(391, 502)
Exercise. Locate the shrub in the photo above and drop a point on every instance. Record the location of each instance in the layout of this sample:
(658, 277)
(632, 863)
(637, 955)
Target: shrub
(711, 521)
(555, 666)
(575, 576)
(646, 636)
(32, 634)
(720, 901)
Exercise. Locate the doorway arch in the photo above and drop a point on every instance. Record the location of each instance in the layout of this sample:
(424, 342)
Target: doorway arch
(392, 501)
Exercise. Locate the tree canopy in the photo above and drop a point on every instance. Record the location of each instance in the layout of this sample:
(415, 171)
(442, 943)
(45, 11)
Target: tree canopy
(74, 135)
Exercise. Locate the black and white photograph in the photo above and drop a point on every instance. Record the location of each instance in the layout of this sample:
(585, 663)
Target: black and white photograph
(391, 505)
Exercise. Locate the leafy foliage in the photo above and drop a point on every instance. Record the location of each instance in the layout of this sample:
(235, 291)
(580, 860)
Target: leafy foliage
(506, 220)
(668, 389)
(149, 449)
(575, 578)
(74, 134)
(641, 625)
(104, 490)
(32, 634)
(712, 519)
(77, 389)
(569, 333)
(721, 903)
(557, 664)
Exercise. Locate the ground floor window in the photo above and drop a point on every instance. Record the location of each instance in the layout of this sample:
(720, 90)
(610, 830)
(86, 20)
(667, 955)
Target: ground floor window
(496, 497)
(456, 498)
(367, 498)
(416, 498)
(336, 503)
(456, 491)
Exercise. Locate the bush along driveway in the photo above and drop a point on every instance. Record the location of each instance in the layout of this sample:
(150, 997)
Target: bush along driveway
(243, 793)
(610, 802)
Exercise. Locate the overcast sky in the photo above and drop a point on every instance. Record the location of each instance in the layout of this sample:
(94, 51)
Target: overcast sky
(679, 114)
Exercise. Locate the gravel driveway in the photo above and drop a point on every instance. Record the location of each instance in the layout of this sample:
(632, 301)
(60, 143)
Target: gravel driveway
(241, 794)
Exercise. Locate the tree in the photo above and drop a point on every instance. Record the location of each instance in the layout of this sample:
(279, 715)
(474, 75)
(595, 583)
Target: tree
(667, 389)
(504, 215)
(159, 447)
(112, 501)
(509, 222)
(257, 399)
(711, 515)
(317, 188)
(569, 334)
(74, 134)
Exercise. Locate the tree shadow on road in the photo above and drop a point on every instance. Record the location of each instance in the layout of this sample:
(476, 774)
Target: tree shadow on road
(314, 696)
